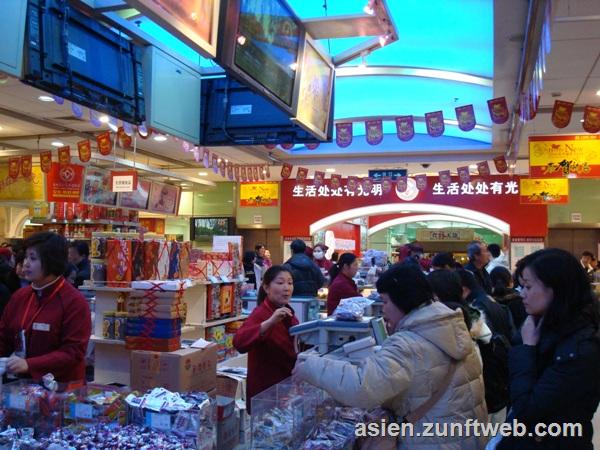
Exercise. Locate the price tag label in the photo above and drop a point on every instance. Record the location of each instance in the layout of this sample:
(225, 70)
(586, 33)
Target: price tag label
(159, 421)
(17, 401)
(84, 411)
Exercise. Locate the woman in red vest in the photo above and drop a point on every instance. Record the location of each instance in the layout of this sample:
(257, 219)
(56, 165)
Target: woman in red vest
(342, 285)
(46, 326)
(265, 334)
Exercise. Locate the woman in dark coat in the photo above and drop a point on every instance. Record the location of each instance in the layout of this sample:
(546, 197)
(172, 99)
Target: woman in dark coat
(555, 373)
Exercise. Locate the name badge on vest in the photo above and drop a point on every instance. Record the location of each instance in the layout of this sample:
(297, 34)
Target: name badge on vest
(41, 326)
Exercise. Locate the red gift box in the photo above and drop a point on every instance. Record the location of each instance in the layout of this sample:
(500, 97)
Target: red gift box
(118, 264)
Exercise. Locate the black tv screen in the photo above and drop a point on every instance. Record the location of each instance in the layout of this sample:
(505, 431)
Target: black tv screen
(204, 228)
(260, 45)
(78, 58)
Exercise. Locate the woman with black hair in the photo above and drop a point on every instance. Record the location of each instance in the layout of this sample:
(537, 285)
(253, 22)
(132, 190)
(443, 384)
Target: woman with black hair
(427, 371)
(504, 293)
(265, 334)
(448, 290)
(46, 326)
(342, 285)
(555, 373)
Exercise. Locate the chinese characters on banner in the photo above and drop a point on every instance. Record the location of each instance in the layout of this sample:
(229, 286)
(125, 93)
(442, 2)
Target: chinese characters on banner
(479, 188)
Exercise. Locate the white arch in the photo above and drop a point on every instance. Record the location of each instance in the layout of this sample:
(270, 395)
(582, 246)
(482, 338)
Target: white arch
(427, 218)
(391, 208)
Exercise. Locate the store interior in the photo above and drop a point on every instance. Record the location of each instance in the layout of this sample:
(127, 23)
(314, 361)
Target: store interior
(226, 140)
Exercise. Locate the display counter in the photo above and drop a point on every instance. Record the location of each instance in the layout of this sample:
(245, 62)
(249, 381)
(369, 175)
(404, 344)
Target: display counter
(306, 308)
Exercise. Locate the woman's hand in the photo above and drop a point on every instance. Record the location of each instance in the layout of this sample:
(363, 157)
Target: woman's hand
(530, 332)
(17, 365)
(278, 315)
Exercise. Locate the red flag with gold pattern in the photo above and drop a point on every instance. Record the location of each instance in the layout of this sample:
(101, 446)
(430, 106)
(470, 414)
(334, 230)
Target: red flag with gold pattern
(26, 166)
(498, 110)
(591, 119)
(483, 168)
(46, 161)
(421, 181)
(243, 174)
(561, 113)
(301, 175)
(465, 115)
(14, 167)
(445, 177)
(64, 155)
(435, 123)
(104, 143)
(463, 174)
(84, 149)
(500, 163)
(124, 139)
(286, 171)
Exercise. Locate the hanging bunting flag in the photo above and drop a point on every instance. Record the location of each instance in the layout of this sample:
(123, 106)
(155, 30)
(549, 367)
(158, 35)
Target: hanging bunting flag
(125, 141)
(466, 117)
(561, 113)
(386, 185)
(312, 146)
(445, 177)
(484, 169)
(26, 166)
(205, 157)
(286, 171)
(255, 173)
(64, 155)
(405, 128)
(249, 174)
(14, 167)
(104, 144)
(222, 167)
(591, 119)
(215, 163)
(196, 152)
(46, 161)
(435, 123)
(421, 181)
(500, 163)
(270, 146)
(230, 170)
(498, 110)
(185, 145)
(236, 172)
(336, 181)
(352, 184)
(84, 148)
(367, 185)
(261, 172)
(319, 177)
(401, 184)
(58, 100)
(128, 129)
(343, 134)
(374, 131)
(301, 175)
(268, 171)
(463, 174)
(287, 146)
(243, 174)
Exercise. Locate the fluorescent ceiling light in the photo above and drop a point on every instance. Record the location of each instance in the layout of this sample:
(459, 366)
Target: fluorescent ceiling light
(57, 144)
(598, 92)
(472, 166)
(160, 138)
(203, 174)
(330, 170)
(45, 98)
(104, 118)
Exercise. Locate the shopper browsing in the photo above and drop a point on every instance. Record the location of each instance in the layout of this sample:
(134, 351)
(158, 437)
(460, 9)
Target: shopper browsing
(79, 254)
(479, 257)
(265, 334)
(308, 278)
(342, 285)
(555, 374)
(429, 350)
(46, 326)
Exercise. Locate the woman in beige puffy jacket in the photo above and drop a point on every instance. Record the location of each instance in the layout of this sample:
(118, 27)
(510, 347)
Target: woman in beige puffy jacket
(426, 340)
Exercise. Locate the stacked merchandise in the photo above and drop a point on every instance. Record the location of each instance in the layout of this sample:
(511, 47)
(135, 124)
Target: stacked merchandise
(119, 259)
(189, 416)
(210, 266)
(218, 336)
(155, 315)
(223, 300)
(94, 404)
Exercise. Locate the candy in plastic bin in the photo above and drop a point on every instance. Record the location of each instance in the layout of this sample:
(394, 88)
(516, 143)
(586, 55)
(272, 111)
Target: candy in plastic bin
(49, 382)
(352, 309)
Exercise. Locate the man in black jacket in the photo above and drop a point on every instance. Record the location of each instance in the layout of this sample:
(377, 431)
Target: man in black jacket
(479, 257)
(308, 278)
(79, 253)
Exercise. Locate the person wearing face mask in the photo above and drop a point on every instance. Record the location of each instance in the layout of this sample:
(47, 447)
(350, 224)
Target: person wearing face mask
(342, 285)
(555, 374)
(265, 334)
(427, 371)
(319, 258)
(47, 325)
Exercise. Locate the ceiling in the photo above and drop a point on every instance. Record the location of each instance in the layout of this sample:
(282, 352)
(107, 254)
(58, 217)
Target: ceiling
(471, 52)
